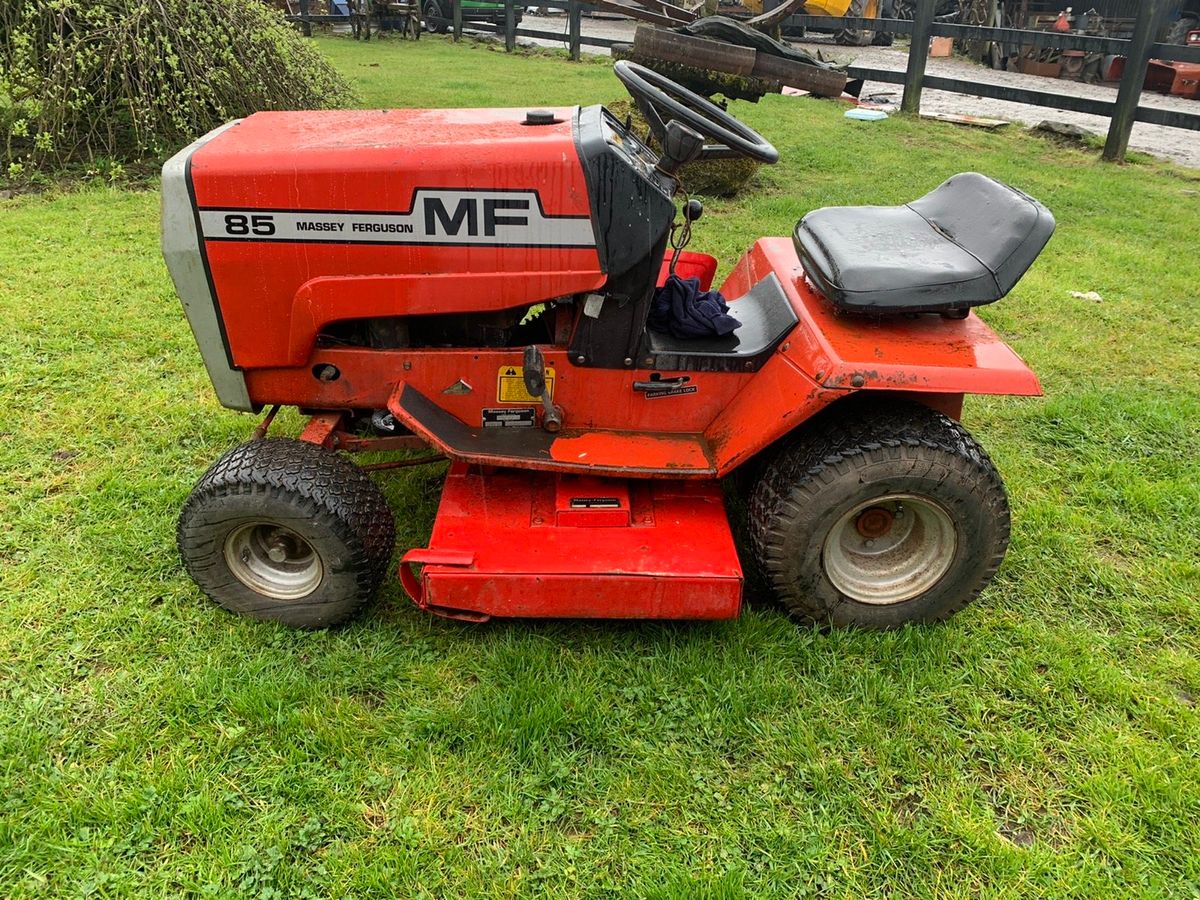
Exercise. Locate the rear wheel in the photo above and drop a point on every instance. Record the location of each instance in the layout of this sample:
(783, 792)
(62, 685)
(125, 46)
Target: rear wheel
(1179, 31)
(435, 19)
(859, 37)
(284, 530)
(879, 516)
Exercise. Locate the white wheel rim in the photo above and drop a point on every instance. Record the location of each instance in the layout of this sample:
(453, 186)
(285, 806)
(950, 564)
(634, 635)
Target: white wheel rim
(890, 549)
(273, 560)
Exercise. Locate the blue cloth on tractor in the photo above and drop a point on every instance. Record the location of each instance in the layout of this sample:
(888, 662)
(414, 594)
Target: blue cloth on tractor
(682, 310)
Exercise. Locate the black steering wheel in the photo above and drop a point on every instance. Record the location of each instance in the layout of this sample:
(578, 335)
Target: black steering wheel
(660, 100)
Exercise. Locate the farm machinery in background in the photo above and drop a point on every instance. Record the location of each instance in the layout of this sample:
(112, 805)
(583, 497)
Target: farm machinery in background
(1183, 29)
(1107, 18)
(439, 14)
(966, 12)
(1111, 19)
(407, 17)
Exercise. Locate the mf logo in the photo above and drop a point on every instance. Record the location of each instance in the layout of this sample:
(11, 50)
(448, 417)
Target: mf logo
(469, 212)
(438, 217)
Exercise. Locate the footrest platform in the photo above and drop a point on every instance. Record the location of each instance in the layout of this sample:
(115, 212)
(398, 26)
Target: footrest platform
(593, 451)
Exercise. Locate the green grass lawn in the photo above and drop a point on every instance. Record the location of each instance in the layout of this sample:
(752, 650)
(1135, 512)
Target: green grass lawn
(1045, 742)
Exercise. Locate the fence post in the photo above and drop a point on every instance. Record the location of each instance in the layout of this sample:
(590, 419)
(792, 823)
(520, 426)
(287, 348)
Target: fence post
(457, 19)
(574, 15)
(918, 56)
(510, 26)
(305, 22)
(1137, 61)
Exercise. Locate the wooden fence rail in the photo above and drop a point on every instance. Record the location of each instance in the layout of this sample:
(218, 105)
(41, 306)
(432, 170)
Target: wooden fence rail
(573, 37)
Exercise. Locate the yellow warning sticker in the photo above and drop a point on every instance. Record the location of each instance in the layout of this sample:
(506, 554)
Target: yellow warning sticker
(510, 385)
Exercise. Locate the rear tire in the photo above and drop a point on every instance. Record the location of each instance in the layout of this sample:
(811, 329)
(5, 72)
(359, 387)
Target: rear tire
(1179, 31)
(435, 20)
(878, 516)
(887, 10)
(855, 37)
(284, 530)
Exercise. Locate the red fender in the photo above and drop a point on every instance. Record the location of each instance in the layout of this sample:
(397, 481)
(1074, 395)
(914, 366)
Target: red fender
(829, 356)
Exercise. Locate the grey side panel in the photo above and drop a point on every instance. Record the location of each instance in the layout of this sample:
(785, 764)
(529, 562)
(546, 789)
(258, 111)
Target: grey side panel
(185, 260)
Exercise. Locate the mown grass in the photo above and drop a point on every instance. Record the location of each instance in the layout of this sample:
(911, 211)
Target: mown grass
(1043, 743)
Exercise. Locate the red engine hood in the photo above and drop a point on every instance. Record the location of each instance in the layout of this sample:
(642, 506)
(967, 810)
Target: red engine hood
(310, 217)
(337, 159)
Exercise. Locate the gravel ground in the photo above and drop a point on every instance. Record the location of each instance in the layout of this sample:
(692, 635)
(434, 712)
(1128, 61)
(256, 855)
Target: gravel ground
(1176, 144)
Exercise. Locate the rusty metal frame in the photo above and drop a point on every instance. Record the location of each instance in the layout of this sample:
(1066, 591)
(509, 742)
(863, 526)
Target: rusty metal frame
(328, 430)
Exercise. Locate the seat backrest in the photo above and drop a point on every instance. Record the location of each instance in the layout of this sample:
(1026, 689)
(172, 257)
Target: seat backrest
(1000, 226)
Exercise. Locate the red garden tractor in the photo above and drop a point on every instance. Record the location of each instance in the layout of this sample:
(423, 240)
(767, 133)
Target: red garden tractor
(478, 283)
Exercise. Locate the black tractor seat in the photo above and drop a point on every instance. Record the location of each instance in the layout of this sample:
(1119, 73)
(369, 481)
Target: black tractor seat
(964, 244)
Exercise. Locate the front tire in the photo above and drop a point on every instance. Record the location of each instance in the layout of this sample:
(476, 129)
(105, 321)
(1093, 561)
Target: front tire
(878, 516)
(284, 530)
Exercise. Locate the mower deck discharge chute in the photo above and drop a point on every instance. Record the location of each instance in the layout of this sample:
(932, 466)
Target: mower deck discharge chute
(478, 282)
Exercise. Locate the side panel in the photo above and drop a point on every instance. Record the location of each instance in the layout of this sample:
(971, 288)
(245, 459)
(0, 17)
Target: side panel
(185, 261)
(827, 357)
(779, 399)
(464, 382)
(261, 283)
(921, 353)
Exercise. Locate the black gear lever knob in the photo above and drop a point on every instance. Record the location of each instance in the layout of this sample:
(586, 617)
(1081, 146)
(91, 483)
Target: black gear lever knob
(680, 146)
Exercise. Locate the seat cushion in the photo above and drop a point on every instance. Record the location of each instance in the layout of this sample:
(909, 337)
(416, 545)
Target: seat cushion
(966, 243)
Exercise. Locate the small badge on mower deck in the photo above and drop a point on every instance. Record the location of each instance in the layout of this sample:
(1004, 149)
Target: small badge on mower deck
(595, 503)
(509, 418)
(510, 385)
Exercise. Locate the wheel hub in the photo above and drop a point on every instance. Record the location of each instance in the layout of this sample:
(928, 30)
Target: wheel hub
(273, 560)
(277, 550)
(890, 549)
(874, 522)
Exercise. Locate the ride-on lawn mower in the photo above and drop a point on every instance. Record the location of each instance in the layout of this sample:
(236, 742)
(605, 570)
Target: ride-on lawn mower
(479, 282)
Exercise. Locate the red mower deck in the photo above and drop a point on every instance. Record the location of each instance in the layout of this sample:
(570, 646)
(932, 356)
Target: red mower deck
(519, 544)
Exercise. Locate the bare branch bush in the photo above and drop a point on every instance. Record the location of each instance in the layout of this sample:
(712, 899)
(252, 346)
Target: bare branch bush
(83, 81)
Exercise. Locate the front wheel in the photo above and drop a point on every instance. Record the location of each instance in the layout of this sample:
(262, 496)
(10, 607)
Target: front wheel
(879, 515)
(284, 530)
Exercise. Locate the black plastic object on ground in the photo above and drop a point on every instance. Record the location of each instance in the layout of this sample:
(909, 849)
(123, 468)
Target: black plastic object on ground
(682, 310)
